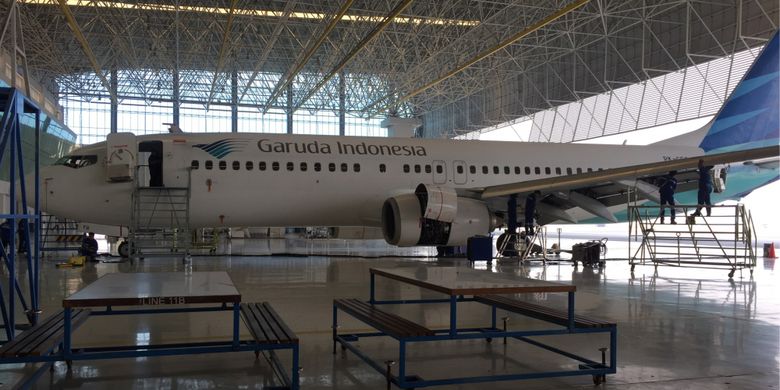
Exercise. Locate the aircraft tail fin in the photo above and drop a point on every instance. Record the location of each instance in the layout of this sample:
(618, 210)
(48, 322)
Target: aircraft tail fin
(750, 118)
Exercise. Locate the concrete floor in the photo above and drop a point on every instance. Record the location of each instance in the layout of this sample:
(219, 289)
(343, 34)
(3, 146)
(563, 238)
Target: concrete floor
(681, 328)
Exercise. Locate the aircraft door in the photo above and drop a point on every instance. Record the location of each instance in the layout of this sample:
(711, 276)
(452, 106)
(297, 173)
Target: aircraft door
(459, 174)
(439, 172)
(155, 162)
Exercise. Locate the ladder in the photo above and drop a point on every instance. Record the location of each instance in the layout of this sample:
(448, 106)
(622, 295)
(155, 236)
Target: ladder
(60, 234)
(160, 222)
(724, 240)
(524, 246)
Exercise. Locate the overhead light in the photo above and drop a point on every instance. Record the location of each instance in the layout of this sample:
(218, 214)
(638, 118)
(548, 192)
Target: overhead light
(251, 12)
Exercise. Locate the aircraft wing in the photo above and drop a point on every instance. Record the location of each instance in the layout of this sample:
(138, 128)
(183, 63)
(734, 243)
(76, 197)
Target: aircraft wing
(595, 191)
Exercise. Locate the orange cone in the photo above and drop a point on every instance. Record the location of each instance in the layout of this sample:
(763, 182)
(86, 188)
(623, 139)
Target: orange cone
(772, 251)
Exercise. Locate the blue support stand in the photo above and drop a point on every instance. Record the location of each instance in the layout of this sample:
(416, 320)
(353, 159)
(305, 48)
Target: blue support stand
(17, 108)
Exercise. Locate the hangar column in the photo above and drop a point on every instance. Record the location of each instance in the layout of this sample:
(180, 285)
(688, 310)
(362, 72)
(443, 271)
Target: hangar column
(342, 105)
(290, 108)
(114, 101)
(400, 127)
(176, 98)
(234, 101)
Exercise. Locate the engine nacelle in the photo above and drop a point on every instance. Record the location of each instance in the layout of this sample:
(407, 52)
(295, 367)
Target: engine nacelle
(404, 221)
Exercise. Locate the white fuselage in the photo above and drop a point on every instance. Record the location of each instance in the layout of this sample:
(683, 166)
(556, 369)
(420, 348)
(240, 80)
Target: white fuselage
(294, 197)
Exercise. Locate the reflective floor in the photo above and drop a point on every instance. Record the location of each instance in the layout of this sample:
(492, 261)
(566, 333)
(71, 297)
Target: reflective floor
(677, 328)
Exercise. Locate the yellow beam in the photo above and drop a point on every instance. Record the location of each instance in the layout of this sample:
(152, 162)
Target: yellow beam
(223, 49)
(355, 50)
(484, 54)
(290, 76)
(85, 47)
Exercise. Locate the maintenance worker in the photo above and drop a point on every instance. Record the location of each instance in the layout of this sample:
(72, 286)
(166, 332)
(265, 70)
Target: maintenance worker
(668, 183)
(89, 246)
(5, 234)
(705, 189)
(530, 212)
(20, 232)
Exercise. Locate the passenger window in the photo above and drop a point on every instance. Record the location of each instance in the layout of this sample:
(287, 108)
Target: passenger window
(344, 167)
(427, 168)
(356, 167)
(195, 164)
(485, 169)
(537, 171)
(568, 171)
(406, 168)
(579, 170)
(261, 165)
(250, 166)
(208, 164)
(236, 165)
(506, 170)
(304, 167)
(290, 166)
(382, 168)
(332, 167)
(275, 165)
(459, 168)
(222, 165)
(547, 170)
(439, 169)
(557, 170)
(527, 170)
(473, 170)
(417, 168)
(317, 167)
(495, 169)
(517, 170)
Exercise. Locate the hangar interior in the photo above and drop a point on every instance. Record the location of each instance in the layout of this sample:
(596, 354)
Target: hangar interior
(562, 71)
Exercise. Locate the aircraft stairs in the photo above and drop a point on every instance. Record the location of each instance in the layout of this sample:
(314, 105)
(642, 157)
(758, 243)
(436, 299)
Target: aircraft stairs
(60, 234)
(159, 223)
(724, 240)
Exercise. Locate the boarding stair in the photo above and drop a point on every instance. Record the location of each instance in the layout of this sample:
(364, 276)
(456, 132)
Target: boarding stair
(160, 222)
(724, 240)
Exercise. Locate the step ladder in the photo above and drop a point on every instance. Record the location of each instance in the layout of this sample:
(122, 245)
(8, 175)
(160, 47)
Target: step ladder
(60, 234)
(160, 222)
(724, 240)
(524, 246)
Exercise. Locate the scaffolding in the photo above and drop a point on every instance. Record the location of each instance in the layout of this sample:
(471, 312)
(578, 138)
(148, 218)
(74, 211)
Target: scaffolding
(160, 220)
(17, 107)
(724, 240)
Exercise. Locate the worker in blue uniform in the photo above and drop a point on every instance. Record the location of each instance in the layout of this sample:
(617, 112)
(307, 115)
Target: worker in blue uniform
(667, 186)
(89, 246)
(705, 189)
(5, 233)
(530, 211)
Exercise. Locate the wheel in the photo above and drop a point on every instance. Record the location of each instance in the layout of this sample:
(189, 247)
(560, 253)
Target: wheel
(489, 339)
(597, 379)
(124, 249)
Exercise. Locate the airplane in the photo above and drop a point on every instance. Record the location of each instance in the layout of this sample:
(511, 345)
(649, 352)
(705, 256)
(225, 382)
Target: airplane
(420, 192)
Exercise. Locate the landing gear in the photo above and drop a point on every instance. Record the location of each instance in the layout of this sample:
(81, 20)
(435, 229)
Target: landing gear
(124, 249)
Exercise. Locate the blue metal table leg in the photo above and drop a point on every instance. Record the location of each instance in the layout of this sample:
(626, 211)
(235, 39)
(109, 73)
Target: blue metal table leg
(453, 315)
(571, 310)
(295, 379)
(335, 327)
(401, 363)
(67, 341)
(613, 349)
(493, 317)
(236, 315)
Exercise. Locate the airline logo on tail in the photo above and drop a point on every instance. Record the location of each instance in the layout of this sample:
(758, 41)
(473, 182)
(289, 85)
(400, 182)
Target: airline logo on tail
(751, 116)
(223, 147)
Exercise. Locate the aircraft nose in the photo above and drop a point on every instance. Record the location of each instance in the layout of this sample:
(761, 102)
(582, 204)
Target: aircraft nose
(29, 188)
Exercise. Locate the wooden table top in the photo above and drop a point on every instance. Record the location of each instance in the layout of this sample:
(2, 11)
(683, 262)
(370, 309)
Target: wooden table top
(156, 288)
(467, 281)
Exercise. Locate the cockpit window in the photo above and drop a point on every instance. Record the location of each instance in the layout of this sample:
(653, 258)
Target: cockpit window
(77, 161)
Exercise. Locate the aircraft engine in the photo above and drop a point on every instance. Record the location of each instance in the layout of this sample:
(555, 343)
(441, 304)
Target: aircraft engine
(434, 216)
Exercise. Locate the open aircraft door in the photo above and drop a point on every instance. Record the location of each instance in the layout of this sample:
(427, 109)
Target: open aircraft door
(121, 157)
(177, 164)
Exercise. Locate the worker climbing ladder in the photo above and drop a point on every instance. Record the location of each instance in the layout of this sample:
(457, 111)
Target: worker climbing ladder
(160, 220)
(724, 240)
